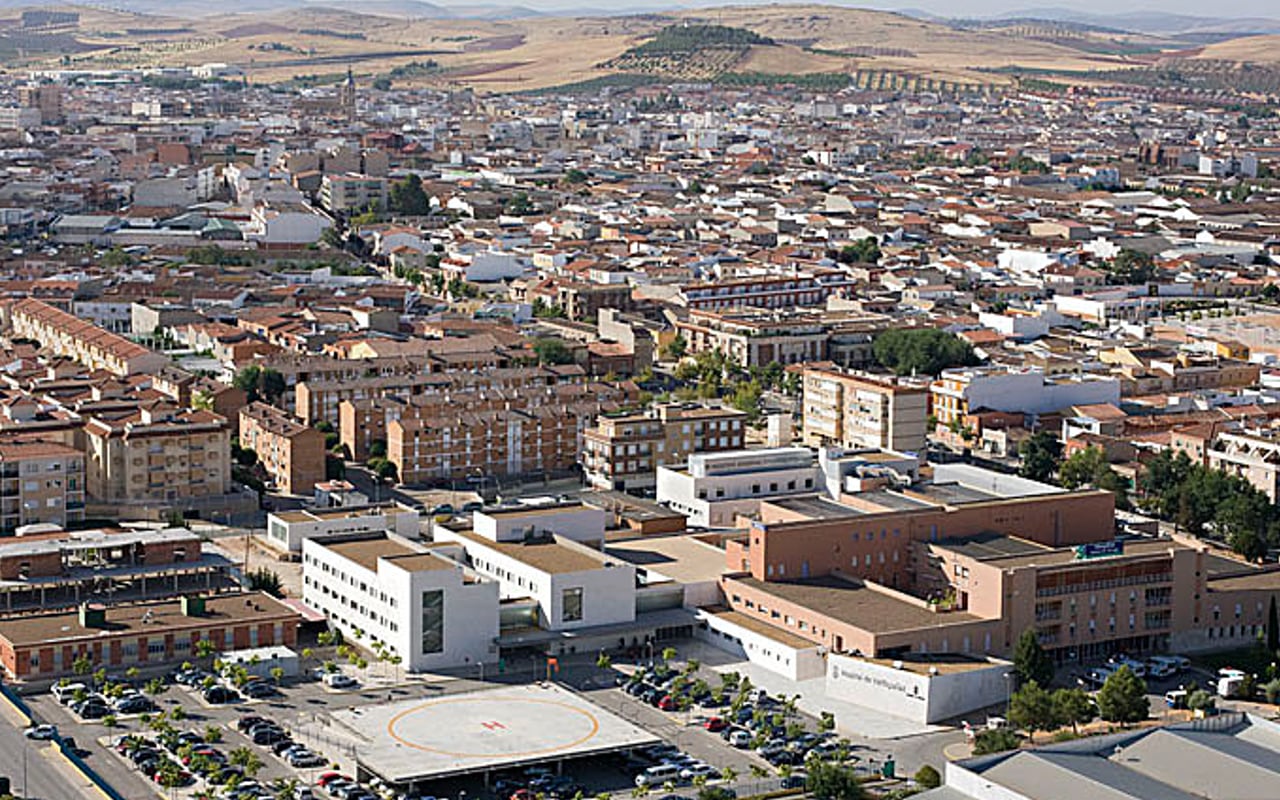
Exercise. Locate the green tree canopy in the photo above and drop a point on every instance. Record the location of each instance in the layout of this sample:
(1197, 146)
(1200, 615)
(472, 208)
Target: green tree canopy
(1131, 267)
(1041, 454)
(1089, 467)
(408, 197)
(1073, 707)
(921, 351)
(827, 781)
(1030, 662)
(551, 351)
(1031, 708)
(1123, 697)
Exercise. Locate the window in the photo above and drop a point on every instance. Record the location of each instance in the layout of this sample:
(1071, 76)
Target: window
(433, 622)
(571, 605)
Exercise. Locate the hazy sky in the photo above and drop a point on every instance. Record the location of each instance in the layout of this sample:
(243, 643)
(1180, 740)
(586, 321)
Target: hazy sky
(953, 8)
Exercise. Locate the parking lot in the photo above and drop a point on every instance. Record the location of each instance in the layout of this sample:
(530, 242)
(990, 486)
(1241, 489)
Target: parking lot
(134, 748)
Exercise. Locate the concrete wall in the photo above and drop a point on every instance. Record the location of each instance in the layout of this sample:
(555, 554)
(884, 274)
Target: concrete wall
(913, 694)
(793, 663)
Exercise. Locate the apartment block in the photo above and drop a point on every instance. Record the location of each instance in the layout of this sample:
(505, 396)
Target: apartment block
(353, 193)
(857, 411)
(66, 335)
(157, 454)
(40, 482)
(454, 446)
(623, 452)
(755, 338)
(292, 453)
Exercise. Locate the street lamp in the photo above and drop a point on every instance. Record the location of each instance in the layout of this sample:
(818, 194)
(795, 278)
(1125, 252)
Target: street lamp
(1008, 694)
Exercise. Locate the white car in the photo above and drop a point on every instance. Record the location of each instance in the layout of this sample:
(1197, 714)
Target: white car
(41, 732)
(699, 768)
(338, 680)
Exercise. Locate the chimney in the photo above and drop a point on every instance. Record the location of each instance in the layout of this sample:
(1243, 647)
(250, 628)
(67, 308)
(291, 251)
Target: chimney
(192, 606)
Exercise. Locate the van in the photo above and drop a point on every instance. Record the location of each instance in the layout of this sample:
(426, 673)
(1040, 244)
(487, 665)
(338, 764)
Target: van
(658, 775)
(1176, 699)
(64, 692)
(338, 680)
(739, 738)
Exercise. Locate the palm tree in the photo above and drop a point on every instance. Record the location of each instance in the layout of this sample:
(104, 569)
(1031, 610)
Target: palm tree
(729, 774)
(603, 661)
(668, 655)
(246, 759)
(285, 788)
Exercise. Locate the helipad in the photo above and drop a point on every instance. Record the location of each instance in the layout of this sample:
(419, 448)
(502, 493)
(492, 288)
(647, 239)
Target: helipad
(422, 740)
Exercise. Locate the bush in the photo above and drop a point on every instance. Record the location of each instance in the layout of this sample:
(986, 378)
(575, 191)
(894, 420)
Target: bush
(997, 741)
(928, 777)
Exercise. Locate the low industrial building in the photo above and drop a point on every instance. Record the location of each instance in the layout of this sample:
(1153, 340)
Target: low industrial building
(152, 634)
(287, 530)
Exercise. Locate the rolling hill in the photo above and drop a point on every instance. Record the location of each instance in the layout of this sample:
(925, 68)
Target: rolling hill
(515, 49)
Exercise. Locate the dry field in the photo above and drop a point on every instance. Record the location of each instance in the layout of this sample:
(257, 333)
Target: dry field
(506, 55)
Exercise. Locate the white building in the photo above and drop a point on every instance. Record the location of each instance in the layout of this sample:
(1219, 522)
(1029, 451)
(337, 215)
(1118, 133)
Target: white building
(962, 391)
(716, 487)
(422, 603)
(570, 586)
(576, 521)
(926, 691)
(287, 530)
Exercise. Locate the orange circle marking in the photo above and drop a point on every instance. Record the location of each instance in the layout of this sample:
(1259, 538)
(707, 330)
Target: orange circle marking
(394, 721)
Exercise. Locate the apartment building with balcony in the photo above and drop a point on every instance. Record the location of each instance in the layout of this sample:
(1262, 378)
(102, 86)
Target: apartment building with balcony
(857, 411)
(157, 454)
(623, 452)
(292, 453)
(40, 482)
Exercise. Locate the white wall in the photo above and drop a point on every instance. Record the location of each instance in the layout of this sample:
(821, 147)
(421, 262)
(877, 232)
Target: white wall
(796, 664)
(579, 523)
(910, 694)
(286, 534)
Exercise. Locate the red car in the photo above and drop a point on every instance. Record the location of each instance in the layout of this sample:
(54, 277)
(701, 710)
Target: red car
(715, 724)
(667, 703)
(327, 778)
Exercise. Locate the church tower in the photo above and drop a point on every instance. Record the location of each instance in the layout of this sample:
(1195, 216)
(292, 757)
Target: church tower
(348, 97)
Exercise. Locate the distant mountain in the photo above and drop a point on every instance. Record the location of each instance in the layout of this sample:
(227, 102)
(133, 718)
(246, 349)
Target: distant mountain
(1154, 22)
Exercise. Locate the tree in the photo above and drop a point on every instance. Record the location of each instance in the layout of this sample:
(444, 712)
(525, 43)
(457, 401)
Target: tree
(603, 661)
(246, 759)
(997, 741)
(924, 351)
(864, 251)
(1090, 467)
(1030, 661)
(1123, 697)
(1031, 708)
(260, 383)
(1201, 700)
(1073, 707)
(1041, 453)
(746, 398)
(927, 777)
(551, 351)
(212, 733)
(277, 674)
(1131, 267)
(82, 665)
(408, 197)
(264, 580)
(827, 781)
(675, 349)
(384, 469)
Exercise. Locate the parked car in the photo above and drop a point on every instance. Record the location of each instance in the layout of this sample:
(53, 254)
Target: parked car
(258, 690)
(715, 724)
(221, 695)
(248, 721)
(667, 703)
(338, 680)
(64, 693)
(740, 738)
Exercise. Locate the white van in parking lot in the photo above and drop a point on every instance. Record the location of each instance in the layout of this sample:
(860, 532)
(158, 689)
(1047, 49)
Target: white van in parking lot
(64, 692)
(658, 775)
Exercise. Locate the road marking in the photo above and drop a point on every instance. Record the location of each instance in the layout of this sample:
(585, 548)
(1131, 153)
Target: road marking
(953, 754)
(492, 726)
